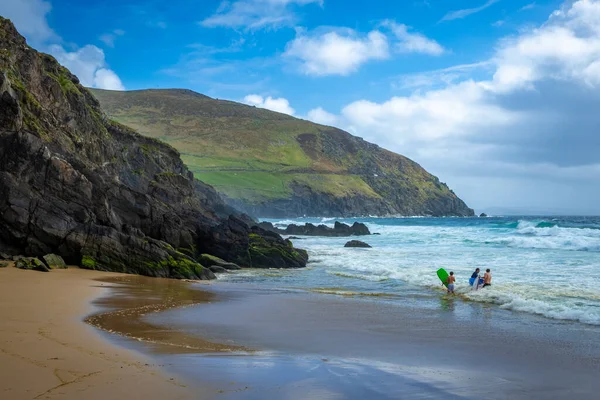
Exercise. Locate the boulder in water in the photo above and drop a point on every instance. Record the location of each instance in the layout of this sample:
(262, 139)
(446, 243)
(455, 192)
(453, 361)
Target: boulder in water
(357, 243)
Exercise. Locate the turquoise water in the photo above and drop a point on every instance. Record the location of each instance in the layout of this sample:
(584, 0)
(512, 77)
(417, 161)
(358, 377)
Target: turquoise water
(548, 266)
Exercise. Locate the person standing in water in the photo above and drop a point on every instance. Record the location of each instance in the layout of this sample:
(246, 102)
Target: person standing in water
(474, 281)
(487, 278)
(450, 281)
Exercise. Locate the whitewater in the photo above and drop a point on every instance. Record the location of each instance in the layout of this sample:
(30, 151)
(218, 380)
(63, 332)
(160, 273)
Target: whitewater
(549, 266)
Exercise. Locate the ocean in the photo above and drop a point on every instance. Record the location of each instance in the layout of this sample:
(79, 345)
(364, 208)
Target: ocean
(376, 323)
(549, 266)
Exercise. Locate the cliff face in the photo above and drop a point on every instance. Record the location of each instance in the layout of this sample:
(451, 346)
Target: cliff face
(75, 183)
(272, 165)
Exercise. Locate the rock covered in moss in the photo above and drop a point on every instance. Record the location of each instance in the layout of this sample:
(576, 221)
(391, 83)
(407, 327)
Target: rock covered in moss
(31, 263)
(250, 247)
(212, 261)
(54, 261)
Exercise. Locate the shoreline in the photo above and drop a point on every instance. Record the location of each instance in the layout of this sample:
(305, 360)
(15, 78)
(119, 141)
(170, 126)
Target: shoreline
(134, 297)
(47, 351)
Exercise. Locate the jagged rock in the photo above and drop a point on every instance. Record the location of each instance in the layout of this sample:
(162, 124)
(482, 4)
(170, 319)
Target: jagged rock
(77, 184)
(308, 229)
(357, 243)
(217, 270)
(210, 261)
(250, 247)
(31, 263)
(4, 256)
(54, 262)
(17, 258)
(482, 215)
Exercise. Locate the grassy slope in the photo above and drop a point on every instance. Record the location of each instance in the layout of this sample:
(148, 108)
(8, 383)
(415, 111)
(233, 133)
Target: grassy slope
(256, 155)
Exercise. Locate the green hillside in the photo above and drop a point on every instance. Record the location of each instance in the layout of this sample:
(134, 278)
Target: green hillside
(272, 164)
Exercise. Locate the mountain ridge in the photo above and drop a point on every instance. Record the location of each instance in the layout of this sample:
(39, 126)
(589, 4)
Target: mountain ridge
(271, 164)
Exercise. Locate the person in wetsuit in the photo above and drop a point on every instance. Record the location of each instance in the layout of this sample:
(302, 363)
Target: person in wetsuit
(474, 281)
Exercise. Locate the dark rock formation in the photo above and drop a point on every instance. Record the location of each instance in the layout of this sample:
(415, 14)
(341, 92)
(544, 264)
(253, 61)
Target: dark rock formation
(357, 243)
(338, 230)
(247, 246)
(4, 256)
(54, 261)
(76, 184)
(31, 263)
(482, 215)
(212, 261)
(217, 270)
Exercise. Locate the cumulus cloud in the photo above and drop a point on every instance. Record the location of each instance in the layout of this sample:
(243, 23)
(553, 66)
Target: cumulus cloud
(280, 104)
(460, 14)
(529, 123)
(412, 42)
(320, 116)
(255, 14)
(336, 52)
(89, 65)
(29, 16)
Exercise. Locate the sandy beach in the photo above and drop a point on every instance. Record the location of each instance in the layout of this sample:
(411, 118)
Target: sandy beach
(162, 338)
(48, 352)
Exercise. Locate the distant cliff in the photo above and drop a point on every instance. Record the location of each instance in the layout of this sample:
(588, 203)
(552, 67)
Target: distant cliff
(272, 165)
(77, 184)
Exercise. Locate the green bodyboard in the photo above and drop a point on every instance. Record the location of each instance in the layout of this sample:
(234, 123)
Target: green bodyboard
(443, 275)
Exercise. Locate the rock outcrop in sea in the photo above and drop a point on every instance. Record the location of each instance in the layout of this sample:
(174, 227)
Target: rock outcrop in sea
(357, 244)
(76, 184)
(339, 229)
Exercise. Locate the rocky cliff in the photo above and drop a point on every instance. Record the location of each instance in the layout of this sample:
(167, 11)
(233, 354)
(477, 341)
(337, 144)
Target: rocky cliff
(274, 165)
(77, 184)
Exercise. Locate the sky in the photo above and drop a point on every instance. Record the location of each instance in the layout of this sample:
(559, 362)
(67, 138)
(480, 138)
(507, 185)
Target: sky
(498, 98)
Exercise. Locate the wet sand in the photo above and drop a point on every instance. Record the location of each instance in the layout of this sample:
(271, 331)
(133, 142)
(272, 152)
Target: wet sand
(354, 348)
(48, 352)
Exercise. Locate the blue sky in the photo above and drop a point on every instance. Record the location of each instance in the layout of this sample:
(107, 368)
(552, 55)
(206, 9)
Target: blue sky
(498, 98)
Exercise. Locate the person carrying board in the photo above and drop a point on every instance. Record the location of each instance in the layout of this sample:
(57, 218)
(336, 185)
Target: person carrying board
(474, 280)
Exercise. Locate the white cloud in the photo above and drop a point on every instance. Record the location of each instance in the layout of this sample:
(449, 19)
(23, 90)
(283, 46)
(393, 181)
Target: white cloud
(320, 116)
(255, 14)
(528, 6)
(109, 38)
(280, 104)
(530, 117)
(460, 14)
(29, 16)
(336, 52)
(107, 79)
(89, 65)
(409, 42)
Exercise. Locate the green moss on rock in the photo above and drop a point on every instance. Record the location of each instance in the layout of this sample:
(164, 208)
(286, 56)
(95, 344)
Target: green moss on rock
(88, 262)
